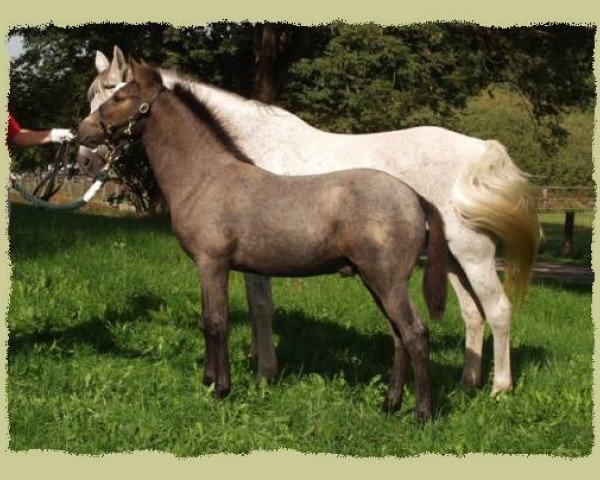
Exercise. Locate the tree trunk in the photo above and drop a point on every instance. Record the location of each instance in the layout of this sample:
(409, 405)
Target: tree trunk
(268, 45)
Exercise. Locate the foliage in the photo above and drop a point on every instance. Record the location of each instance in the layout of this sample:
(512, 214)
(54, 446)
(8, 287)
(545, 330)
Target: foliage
(501, 114)
(105, 355)
(140, 187)
(550, 66)
(371, 78)
(340, 77)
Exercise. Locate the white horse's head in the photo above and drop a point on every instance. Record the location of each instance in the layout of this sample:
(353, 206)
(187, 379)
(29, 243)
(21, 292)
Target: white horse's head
(111, 75)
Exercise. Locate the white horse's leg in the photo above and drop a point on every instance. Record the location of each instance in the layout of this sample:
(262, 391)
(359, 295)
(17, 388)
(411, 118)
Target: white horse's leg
(260, 303)
(474, 323)
(475, 254)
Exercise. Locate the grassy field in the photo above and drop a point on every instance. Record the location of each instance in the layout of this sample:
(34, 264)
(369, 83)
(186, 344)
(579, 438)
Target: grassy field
(105, 355)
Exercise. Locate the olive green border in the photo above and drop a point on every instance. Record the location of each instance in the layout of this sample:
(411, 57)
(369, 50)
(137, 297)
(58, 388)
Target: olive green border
(281, 464)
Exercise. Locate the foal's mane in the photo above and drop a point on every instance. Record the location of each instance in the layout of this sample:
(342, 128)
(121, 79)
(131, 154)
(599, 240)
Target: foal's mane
(206, 116)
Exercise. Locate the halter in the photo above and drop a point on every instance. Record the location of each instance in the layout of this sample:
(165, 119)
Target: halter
(109, 130)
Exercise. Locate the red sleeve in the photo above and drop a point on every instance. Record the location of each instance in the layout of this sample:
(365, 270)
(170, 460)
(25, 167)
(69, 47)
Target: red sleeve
(13, 128)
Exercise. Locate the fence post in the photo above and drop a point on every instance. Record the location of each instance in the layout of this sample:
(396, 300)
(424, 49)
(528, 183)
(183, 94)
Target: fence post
(544, 198)
(567, 249)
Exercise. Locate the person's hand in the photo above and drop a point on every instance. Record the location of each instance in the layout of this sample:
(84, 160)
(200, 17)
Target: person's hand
(59, 135)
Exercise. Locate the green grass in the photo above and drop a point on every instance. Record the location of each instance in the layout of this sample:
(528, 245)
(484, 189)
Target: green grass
(105, 355)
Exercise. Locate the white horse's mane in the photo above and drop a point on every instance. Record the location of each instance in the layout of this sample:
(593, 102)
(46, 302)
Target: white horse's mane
(213, 96)
(96, 86)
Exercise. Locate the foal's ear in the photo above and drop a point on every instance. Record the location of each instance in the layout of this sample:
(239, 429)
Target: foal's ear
(143, 75)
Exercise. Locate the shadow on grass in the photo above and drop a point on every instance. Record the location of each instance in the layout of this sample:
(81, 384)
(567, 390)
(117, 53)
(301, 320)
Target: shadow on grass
(563, 284)
(307, 345)
(94, 333)
(35, 232)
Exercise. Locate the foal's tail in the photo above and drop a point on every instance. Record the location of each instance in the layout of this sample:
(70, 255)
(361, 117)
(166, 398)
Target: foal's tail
(492, 194)
(434, 283)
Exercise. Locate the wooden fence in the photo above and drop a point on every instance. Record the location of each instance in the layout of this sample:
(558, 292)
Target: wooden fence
(569, 200)
(562, 199)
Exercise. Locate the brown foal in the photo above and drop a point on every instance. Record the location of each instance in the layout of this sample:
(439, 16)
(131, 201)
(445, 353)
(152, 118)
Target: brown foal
(229, 214)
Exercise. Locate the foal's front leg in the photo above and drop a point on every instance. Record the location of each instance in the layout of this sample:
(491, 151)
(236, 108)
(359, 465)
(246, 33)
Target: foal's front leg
(214, 278)
(260, 303)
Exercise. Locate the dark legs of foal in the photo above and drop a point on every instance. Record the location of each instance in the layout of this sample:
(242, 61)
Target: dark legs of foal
(410, 341)
(214, 324)
(408, 331)
(262, 313)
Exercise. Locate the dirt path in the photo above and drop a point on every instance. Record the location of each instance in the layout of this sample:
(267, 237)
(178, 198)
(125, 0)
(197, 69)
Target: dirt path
(560, 271)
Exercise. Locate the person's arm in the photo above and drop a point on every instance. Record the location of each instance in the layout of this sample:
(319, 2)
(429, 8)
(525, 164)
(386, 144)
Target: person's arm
(23, 137)
(31, 138)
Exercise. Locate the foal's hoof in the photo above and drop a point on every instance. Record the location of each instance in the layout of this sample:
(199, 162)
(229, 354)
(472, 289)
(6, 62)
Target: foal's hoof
(391, 406)
(266, 369)
(208, 380)
(424, 416)
(269, 375)
(222, 392)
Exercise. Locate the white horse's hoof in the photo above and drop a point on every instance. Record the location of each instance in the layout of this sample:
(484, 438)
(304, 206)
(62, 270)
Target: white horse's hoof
(501, 388)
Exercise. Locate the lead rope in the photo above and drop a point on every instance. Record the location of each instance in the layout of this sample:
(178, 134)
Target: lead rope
(101, 178)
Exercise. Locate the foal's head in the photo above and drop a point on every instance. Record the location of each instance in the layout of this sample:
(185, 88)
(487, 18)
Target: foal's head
(121, 118)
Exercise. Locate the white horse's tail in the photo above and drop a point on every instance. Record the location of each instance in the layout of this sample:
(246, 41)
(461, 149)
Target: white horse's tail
(493, 195)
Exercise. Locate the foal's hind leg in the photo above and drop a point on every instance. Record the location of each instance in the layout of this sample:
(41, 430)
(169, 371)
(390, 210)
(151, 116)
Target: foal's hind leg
(410, 336)
(416, 341)
(393, 399)
(214, 323)
(260, 303)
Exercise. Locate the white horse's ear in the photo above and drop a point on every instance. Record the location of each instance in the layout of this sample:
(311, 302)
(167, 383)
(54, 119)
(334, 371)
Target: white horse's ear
(102, 62)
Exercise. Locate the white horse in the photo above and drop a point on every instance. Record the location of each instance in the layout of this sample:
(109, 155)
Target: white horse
(480, 193)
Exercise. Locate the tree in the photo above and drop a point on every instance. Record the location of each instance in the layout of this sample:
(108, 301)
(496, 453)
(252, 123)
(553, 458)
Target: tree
(340, 77)
(372, 78)
(277, 46)
(549, 66)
